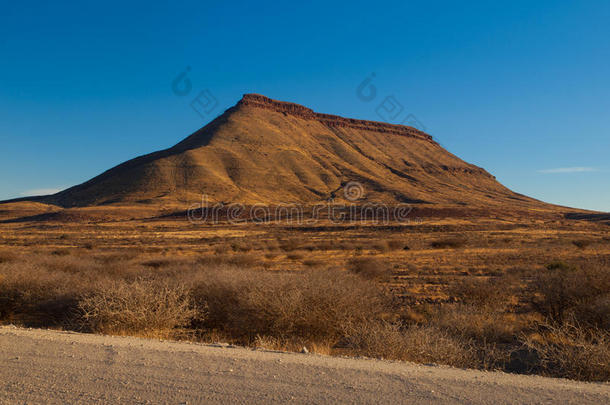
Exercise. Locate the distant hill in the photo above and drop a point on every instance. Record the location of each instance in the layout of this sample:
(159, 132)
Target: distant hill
(267, 151)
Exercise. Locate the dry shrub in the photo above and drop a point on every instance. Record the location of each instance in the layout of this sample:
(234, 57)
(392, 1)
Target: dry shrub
(571, 351)
(67, 263)
(220, 249)
(343, 246)
(582, 243)
(142, 307)
(160, 262)
(89, 267)
(241, 247)
(46, 289)
(488, 292)
(272, 245)
(595, 311)
(327, 245)
(381, 246)
(6, 257)
(370, 268)
(422, 344)
(60, 252)
(241, 260)
(32, 294)
(448, 243)
(292, 244)
(313, 305)
(563, 292)
(411, 268)
(114, 257)
(157, 263)
(483, 324)
(394, 244)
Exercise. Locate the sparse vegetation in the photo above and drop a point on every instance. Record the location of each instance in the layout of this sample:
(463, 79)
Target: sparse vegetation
(497, 305)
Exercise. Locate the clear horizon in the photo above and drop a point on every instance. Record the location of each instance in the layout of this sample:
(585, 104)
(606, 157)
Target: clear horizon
(519, 89)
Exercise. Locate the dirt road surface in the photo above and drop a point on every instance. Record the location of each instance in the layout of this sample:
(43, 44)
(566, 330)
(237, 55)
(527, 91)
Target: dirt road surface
(44, 366)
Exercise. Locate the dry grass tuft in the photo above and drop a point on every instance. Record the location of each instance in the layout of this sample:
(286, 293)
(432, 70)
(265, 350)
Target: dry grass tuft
(422, 344)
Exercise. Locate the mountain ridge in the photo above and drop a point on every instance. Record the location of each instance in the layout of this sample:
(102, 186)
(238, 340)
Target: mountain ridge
(268, 151)
(261, 101)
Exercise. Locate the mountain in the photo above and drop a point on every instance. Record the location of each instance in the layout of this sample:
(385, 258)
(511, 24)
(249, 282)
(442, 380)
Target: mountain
(267, 151)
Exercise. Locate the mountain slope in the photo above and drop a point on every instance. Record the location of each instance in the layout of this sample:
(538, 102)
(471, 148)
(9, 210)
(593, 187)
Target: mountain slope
(267, 151)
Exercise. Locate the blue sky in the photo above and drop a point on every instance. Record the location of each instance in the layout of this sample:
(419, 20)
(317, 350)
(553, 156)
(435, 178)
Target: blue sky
(519, 88)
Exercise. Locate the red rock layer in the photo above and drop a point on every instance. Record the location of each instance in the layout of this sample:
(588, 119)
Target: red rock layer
(261, 101)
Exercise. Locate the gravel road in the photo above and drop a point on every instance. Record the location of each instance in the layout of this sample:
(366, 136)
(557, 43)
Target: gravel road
(44, 366)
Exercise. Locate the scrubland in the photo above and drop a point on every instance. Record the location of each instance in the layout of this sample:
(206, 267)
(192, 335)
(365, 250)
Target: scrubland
(518, 297)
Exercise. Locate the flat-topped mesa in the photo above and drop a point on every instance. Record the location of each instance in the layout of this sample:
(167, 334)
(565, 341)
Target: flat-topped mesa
(260, 101)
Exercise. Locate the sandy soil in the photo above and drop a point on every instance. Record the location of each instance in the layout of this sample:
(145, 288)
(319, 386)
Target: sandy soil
(44, 366)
